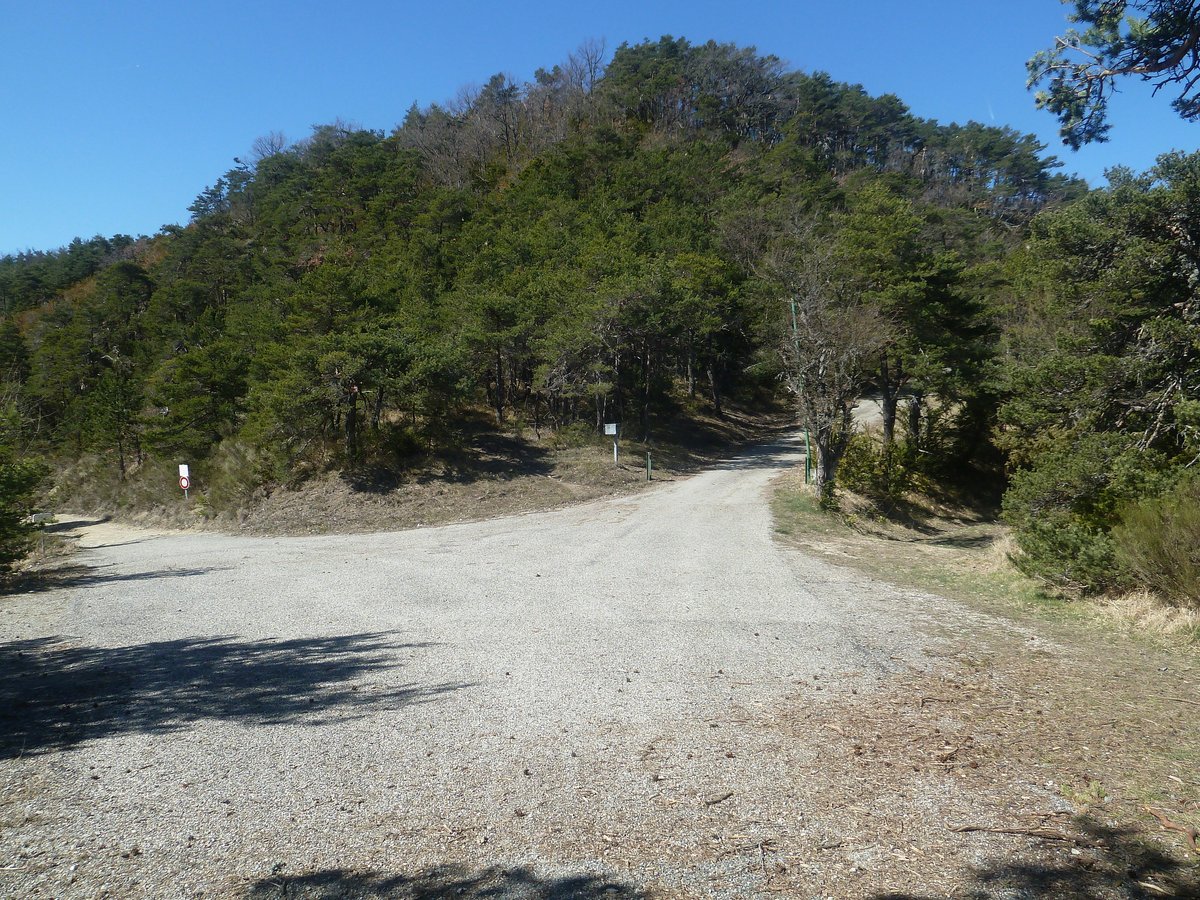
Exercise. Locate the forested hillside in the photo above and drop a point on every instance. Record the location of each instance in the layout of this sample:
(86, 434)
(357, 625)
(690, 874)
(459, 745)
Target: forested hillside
(625, 239)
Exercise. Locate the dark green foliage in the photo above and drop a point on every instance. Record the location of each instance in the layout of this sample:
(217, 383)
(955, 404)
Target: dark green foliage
(1103, 367)
(19, 479)
(587, 247)
(33, 278)
(195, 399)
(1151, 40)
(20, 475)
(1064, 507)
(1158, 543)
(885, 472)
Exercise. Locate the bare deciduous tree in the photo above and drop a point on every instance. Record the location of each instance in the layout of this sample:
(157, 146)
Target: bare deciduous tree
(269, 144)
(828, 344)
(586, 64)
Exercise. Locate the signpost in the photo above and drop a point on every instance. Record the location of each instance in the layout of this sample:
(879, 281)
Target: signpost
(185, 480)
(611, 428)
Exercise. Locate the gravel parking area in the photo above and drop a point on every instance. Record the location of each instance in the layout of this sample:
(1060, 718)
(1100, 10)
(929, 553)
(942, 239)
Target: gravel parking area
(622, 698)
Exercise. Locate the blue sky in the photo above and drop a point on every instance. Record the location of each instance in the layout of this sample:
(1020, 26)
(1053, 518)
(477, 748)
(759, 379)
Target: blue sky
(117, 114)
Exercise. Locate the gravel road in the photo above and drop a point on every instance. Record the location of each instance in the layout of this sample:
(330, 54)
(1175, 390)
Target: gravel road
(573, 703)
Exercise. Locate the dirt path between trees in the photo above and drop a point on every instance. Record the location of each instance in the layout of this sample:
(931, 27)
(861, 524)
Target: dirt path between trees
(641, 696)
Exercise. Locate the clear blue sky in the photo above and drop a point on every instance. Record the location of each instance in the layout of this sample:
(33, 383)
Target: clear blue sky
(116, 114)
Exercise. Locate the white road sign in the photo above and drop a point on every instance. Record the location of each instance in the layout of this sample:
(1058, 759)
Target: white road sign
(610, 428)
(183, 471)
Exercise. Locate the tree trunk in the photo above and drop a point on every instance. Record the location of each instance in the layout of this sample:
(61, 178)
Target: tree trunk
(715, 389)
(618, 394)
(599, 407)
(825, 470)
(914, 420)
(887, 405)
(352, 426)
(890, 380)
(378, 410)
(829, 440)
(691, 367)
(499, 387)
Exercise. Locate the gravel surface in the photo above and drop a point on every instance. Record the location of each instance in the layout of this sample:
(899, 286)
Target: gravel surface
(575, 703)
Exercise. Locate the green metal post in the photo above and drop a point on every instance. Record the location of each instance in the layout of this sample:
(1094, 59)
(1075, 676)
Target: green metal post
(649, 465)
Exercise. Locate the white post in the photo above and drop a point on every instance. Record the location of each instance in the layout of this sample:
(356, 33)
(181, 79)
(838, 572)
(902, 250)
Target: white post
(613, 428)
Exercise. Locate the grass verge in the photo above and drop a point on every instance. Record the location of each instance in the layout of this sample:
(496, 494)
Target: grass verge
(958, 553)
(1098, 700)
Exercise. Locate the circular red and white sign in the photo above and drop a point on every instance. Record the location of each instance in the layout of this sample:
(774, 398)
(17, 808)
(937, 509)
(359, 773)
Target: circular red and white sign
(185, 482)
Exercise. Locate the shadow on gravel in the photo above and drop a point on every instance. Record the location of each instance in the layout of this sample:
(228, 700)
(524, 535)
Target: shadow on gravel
(74, 576)
(1120, 864)
(440, 881)
(771, 456)
(54, 696)
(72, 524)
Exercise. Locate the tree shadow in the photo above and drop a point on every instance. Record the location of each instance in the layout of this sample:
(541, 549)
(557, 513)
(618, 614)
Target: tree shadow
(483, 456)
(1122, 865)
(775, 455)
(54, 696)
(493, 882)
(493, 456)
(75, 576)
(59, 526)
(964, 541)
(905, 513)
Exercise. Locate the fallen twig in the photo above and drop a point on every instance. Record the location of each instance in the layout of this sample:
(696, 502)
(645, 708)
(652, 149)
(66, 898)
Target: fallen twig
(1150, 886)
(1183, 700)
(715, 800)
(1188, 831)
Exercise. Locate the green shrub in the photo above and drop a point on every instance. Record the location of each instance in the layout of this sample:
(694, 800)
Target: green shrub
(231, 476)
(403, 444)
(1063, 551)
(577, 434)
(881, 473)
(1063, 507)
(1158, 541)
(19, 479)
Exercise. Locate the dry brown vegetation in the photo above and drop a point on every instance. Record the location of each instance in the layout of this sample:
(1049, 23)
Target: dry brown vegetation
(1051, 694)
(494, 474)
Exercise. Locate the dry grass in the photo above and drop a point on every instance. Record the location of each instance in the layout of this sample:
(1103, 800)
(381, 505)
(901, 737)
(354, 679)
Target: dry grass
(492, 473)
(950, 551)
(1145, 613)
(950, 756)
(957, 554)
(1097, 699)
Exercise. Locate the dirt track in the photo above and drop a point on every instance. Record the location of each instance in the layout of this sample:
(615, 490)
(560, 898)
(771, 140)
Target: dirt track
(634, 695)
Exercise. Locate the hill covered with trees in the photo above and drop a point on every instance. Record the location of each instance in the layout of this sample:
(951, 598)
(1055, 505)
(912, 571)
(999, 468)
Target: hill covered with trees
(680, 226)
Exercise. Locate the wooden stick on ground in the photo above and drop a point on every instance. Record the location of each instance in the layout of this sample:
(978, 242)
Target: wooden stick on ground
(1190, 833)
